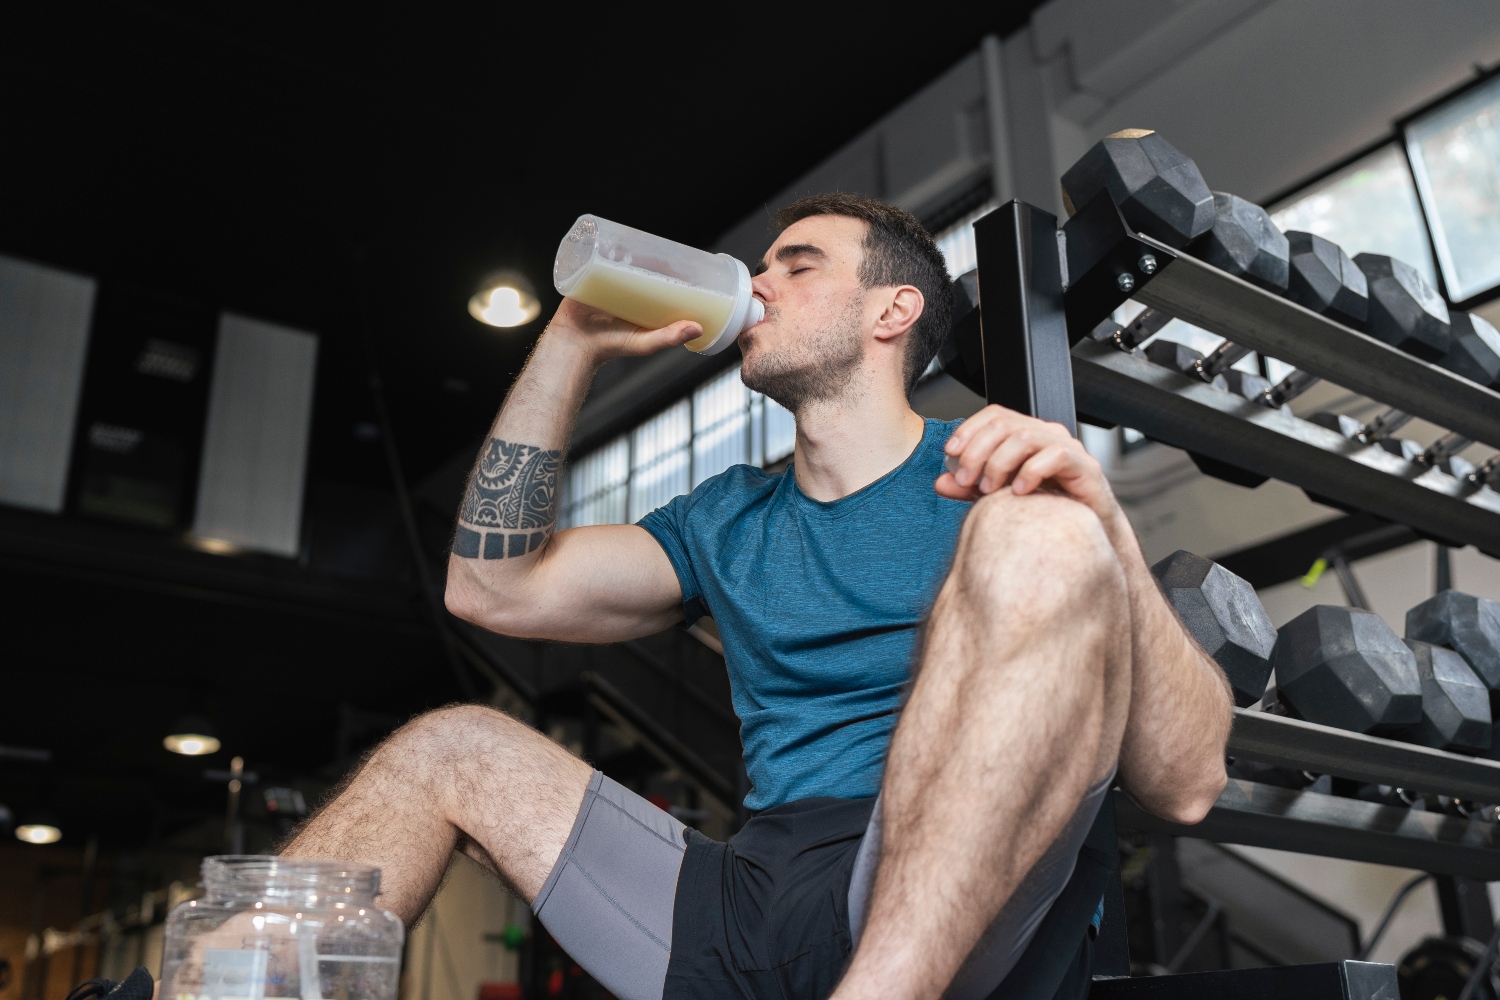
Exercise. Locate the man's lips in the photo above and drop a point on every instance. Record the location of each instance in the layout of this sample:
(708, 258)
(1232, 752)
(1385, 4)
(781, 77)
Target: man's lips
(768, 317)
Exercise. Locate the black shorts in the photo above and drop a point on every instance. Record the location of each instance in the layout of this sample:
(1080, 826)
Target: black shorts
(767, 914)
(653, 909)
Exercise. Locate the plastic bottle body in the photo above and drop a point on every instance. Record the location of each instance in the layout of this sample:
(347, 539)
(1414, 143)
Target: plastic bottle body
(282, 927)
(651, 282)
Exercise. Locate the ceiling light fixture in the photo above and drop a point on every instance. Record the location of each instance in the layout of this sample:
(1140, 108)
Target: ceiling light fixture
(39, 828)
(216, 546)
(504, 299)
(192, 736)
(38, 833)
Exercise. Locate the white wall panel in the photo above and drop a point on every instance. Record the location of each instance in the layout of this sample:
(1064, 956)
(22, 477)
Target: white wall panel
(44, 332)
(255, 440)
(1300, 84)
(1097, 50)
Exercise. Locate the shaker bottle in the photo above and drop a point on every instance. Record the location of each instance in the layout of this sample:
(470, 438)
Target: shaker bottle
(651, 282)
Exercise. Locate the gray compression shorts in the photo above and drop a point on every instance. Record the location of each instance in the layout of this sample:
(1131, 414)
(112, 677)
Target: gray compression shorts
(609, 899)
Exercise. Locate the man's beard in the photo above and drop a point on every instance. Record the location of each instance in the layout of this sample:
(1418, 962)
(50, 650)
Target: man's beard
(813, 368)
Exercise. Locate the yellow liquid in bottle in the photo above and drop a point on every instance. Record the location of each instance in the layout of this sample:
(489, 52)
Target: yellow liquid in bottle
(652, 300)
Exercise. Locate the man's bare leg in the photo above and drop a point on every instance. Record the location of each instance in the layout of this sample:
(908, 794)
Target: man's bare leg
(1018, 707)
(466, 777)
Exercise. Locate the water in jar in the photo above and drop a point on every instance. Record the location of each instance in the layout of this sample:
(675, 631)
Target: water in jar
(282, 927)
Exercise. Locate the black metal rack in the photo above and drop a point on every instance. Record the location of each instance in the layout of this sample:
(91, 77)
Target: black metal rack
(1221, 303)
(1313, 822)
(1306, 746)
(1013, 353)
(1017, 361)
(1184, 412)
(1110, 264)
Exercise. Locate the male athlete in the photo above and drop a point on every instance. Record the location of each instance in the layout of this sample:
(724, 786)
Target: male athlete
(920, 805)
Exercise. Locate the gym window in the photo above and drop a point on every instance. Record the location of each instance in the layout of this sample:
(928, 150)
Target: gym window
(721, 424)
(1430, 197)
(1368, 206)
(956, 241)
(1455, 159)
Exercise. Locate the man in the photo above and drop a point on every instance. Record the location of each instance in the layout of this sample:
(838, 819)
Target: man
(1049, 664)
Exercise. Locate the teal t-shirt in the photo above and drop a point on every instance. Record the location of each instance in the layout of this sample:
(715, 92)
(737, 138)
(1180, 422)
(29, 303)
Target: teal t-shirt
(818, 605)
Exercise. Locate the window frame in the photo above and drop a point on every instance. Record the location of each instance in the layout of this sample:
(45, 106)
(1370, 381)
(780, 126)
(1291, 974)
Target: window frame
(1402, 130)
(757, 438)
(1397, 135)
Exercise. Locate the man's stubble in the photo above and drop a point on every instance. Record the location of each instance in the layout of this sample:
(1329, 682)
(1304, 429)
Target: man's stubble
(815, 367)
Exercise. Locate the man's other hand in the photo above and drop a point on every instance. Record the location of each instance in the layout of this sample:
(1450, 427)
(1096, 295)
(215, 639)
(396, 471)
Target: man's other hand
(605, 336)
(996, 448)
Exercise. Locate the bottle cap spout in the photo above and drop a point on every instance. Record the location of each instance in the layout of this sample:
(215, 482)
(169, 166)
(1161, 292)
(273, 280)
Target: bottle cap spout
(746, 312)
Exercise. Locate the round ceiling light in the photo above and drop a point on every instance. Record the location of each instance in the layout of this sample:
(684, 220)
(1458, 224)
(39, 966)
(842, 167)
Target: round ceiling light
(504, 299)
(192, 736)
(215, 546)
(191, 744)
(39, 828)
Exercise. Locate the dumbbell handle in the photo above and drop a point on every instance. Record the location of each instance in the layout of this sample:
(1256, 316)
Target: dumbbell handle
(1445, 447)
(1488, 473)
(1384, 425)
(1140, 329)
(1288, 389)
(1221, 360)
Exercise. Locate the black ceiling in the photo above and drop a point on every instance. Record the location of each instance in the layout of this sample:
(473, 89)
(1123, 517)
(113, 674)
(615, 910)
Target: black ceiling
(353, 170)
(289, 160)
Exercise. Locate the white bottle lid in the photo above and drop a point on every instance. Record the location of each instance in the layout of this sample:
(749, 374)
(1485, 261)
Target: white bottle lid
(747, 311)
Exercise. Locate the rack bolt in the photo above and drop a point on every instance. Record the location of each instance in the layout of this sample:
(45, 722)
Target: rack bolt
(1147, 264)
(1126, 281)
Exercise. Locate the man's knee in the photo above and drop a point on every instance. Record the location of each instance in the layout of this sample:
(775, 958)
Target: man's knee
(1053, 545)
(444, 738)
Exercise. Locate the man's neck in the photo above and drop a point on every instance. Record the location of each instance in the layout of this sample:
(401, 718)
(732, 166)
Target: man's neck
(845, 444)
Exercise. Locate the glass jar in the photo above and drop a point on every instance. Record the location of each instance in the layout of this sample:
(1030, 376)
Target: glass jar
(282, 927)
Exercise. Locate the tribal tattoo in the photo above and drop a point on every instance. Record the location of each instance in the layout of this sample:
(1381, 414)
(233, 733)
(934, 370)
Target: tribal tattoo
(510, 506)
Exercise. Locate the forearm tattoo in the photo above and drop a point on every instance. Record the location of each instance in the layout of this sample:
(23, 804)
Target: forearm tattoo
(510, 506)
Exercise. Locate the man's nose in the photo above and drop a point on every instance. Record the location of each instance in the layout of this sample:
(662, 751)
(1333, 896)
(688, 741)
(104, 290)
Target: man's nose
(760, 285)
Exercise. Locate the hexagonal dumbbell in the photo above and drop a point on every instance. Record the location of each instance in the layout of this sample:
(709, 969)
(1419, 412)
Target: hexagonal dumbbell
(1245, 242)
(1405, 311)
(1246, 384)
(1455, 702)
(1475, 351)
(1379, 432)
(1344, 667)
(1322, 278)
(1444, 454)
(1340, 423)
(1466, 624)
(1157, 189)
(1224, 615)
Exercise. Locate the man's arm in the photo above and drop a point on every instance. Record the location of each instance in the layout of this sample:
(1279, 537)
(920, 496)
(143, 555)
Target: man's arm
(508, 571)
(1181, 709)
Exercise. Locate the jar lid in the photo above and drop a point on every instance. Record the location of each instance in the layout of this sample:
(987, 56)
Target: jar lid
(307, 881)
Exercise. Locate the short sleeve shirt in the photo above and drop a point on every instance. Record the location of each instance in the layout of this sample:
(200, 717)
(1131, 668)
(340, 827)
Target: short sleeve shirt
(818, 605)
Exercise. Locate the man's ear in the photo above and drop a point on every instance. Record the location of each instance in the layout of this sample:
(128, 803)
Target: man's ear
(902, 310)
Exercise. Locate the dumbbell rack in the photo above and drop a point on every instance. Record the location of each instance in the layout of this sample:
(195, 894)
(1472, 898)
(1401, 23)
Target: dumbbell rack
(1029, 349)
(1309, 822)
(1193, 415)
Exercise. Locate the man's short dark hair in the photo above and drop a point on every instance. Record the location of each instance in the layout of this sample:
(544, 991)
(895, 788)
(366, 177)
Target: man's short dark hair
(898, 251)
